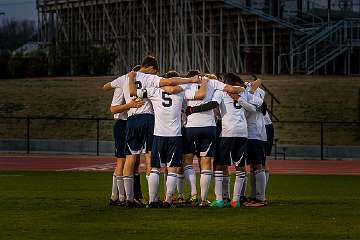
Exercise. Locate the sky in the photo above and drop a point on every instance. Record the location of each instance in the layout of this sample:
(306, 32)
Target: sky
(18, 9)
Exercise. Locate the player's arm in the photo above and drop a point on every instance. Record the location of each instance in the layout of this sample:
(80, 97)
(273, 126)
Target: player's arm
(246, 105)
(134, 103)
(255, 84)
(172, 89)
(132, 85)
(233, 89)
(201, 108)
(175, 81)
(201, 92)
(107, 86)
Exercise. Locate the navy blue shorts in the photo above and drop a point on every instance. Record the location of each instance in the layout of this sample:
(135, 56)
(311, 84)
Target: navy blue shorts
(167, 151)
(200, 141)
(119, 130)
(255, 152)
(231, 151)
(270, 139)
(139, 133)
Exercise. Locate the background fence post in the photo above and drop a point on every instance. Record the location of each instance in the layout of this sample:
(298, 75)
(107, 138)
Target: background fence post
(322, 140)
(97, 137)
(27, 134)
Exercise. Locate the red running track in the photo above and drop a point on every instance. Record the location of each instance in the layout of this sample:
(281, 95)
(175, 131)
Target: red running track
(94, 163)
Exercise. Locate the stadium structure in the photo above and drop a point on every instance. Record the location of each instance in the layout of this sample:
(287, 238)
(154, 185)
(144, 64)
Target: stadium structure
(244, 36)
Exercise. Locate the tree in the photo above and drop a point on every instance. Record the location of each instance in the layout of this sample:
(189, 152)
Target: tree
(14, 34)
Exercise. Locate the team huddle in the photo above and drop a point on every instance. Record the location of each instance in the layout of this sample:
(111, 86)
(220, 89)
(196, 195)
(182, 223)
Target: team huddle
(171, 119)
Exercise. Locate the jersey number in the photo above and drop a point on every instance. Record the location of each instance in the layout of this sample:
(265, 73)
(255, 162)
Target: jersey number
(138, 85)
(237, 105)
(167, 100)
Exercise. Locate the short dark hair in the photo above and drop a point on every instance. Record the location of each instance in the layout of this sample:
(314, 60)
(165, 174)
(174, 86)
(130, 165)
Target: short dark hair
(192, 73)
(150, 61)
(171, 74)
(232, 79)
(136, 68)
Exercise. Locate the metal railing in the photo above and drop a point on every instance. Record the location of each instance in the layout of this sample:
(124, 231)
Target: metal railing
(316, 137)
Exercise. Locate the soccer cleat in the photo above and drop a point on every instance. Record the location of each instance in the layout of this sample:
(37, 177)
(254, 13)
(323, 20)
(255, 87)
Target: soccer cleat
(256, 203)
(114, 202)
(249, 201)
(235, 204)
(167, 205)
(204, 204)
(243, 199)
(132, 204)
(227, 202)
(180, 200)
(141, 202)
(193, 200)
(153, 205)
(217, 204)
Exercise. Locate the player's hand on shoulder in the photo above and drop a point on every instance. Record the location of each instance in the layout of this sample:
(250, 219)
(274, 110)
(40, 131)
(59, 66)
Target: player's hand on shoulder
(132, 75)
(136, 102)
(234, 96)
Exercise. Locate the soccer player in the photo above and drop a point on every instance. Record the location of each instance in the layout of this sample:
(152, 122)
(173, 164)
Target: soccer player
(200, 139)
(167, 144)
(231, 146)
(140, 124)
(256, 151)
(119, 109)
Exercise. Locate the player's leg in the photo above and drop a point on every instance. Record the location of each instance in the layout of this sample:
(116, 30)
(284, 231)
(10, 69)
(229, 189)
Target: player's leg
(226, 185)
(206, 140)
(129, 178)
(238, 147)
(165, 174)
(117, 193)
(174, 151)
(180, 184)
(120, 162)
(154, 176)
(137, 182)
(189, 172)
(219, 164)
(256, 156)
(114, 198)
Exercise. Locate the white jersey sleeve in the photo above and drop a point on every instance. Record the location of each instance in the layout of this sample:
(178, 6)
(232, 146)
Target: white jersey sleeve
(218, 96)
(118, 82)
(145, 81)
(267, 119)
(119, 99)
(216, 85)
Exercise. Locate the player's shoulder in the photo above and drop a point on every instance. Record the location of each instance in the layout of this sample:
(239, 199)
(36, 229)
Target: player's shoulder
(141, 75)
(187, 86)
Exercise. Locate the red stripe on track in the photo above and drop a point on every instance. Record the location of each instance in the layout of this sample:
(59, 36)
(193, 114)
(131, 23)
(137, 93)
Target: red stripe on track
(94, 163)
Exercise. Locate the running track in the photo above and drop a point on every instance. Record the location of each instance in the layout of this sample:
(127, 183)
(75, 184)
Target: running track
(93, 163)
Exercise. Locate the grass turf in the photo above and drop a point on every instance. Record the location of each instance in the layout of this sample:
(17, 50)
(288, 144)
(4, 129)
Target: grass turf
(73, 205)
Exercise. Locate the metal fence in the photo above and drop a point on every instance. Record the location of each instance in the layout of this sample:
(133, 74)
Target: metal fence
(309, 139)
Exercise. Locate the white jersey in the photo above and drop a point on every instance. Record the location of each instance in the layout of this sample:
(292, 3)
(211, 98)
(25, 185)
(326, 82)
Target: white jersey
(267, 119)
(206, 118)
(142, 81)
(167, 108)
(118, 99)
(255, 120)
(233, 115)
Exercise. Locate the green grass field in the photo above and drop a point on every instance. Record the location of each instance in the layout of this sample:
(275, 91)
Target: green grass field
(72, 205)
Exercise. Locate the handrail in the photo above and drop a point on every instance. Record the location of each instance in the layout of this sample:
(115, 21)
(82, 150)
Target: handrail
(259, 13)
